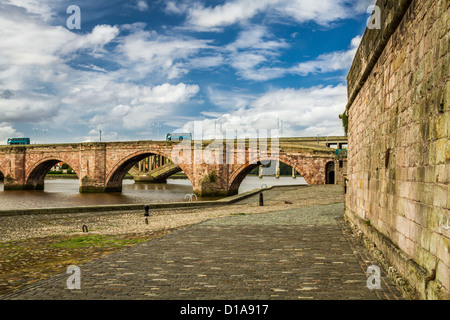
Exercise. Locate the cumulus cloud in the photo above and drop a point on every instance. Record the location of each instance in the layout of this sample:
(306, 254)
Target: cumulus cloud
(260, 62)
(28, 41)
(329, 62)
(304, 112)
(228, 100)
(39, 8)
(214, 18)
(169, 56)
(226, 14)
(7, 131)
(100, 36)
(27, 107)
(254, 49)
(40, 84)
(123, 77)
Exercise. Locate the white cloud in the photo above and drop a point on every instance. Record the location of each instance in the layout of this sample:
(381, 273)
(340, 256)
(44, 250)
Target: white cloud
(7, 131)
(41, 79)
(142, 5)
(254, 49)
(28, 41)
(102, 101)
(214, 18)
(157, 102)
(39, 85)
(150, 52)
(304, 112)
(94, 41)
(35, 7)
(255, 57)
(229, 100)
(226, 14)
(329, 62)
(27, 107)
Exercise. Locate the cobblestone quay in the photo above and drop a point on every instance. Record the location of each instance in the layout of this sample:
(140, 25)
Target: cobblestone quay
(304, 253)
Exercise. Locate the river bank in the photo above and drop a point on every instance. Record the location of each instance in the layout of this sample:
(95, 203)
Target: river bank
(65, 193)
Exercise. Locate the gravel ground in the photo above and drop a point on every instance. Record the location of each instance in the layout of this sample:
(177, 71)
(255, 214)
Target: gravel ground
(15, 228)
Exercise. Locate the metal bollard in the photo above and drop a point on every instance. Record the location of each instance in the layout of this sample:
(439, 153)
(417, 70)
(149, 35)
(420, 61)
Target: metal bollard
(261, 199)
(146, 208)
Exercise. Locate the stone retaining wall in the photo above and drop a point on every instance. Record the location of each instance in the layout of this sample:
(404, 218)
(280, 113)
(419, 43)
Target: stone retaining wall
(399, 150)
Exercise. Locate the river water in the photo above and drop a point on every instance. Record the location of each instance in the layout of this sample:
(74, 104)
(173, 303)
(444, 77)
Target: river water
(64, 193)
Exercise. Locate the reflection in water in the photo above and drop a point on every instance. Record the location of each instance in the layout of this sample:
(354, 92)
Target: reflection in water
(64, 193)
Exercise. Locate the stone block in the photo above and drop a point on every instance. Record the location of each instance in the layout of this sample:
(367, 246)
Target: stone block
(443, 274)
(440, 194)
(402, 225)
(414, 232)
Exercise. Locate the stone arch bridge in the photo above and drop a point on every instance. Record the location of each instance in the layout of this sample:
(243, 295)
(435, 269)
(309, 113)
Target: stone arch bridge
(101, 167)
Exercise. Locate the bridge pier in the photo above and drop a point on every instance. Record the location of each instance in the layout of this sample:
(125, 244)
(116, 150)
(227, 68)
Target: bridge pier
(212, 181)
(148, 179)
(18, 187)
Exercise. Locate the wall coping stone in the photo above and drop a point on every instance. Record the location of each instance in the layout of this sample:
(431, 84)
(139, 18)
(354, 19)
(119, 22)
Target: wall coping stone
(373, 43)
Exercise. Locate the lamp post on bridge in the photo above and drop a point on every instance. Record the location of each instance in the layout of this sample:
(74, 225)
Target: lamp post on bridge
(35, 135)
(91, 126)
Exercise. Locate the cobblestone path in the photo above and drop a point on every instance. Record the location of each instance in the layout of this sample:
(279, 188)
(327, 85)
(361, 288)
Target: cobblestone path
(306, 253)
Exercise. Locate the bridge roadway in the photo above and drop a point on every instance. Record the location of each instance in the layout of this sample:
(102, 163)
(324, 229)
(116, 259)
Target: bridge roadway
(214, 168)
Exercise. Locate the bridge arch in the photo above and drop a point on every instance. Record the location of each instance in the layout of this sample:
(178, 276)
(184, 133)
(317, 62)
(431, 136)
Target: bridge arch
(35, 175)
(240, 173)
(115, 176)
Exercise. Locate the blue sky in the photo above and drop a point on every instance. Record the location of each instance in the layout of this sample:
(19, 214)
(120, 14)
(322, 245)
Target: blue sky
(140, 68)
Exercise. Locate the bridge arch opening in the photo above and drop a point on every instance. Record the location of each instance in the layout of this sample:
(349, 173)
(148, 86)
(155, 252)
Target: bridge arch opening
(35, 179)
(287, 173)
(114, 181)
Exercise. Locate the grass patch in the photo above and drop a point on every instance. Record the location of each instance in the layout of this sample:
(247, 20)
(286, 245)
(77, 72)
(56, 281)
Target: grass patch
(95, 241)
(238, 214)
(26, 261)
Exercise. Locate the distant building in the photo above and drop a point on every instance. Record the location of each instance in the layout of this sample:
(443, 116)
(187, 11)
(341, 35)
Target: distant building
(57, 167)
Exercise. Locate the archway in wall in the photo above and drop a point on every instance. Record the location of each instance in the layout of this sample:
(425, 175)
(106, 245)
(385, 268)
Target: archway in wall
(251, 171)
(330, 173)
(114, 181)
(2, 179)
(36, 176)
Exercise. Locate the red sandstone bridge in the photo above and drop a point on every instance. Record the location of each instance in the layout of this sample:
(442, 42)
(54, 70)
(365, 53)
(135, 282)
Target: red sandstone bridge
(101, 167)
